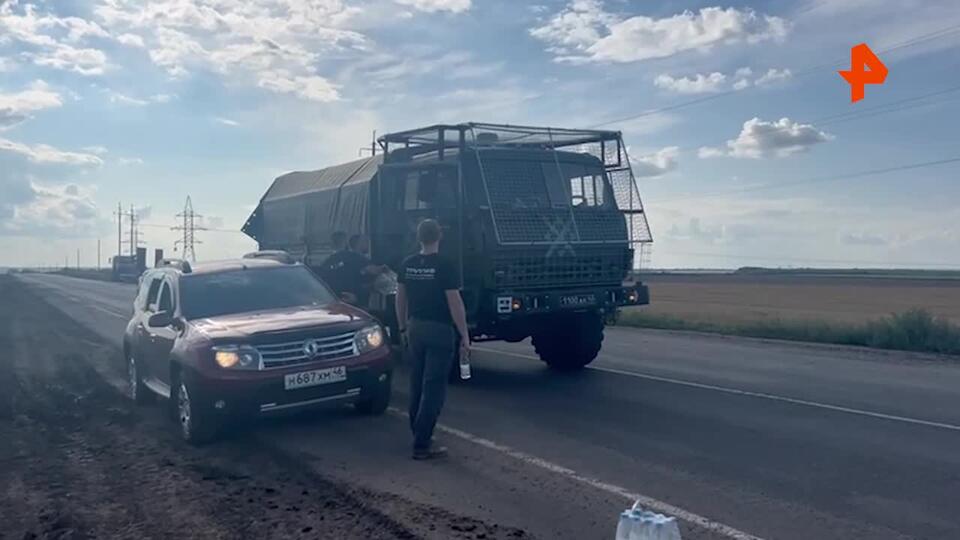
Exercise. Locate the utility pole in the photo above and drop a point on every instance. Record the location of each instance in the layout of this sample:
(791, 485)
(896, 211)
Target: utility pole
(119, 215)
(189, 228)
(133, 232)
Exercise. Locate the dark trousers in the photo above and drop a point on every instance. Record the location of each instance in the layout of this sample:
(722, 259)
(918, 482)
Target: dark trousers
(431, 350)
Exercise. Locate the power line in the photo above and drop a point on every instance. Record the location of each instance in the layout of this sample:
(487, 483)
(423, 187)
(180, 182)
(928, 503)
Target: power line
(883, 108)
(204, 229)
(825, 178)
(903, 44)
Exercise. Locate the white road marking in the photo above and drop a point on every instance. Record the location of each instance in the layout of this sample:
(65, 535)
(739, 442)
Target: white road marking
(748, 393)
(645, 501)
(108, 311)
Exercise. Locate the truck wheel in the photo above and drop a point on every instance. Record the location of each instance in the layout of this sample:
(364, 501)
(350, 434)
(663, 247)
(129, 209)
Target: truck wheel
(377, 400)
(194, 415)
(571, 342)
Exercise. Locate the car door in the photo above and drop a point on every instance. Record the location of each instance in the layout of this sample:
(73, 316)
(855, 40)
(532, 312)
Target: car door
(162, 338)
(142, 335)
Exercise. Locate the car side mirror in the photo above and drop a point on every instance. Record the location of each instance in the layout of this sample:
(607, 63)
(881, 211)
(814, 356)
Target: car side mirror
(160, 320)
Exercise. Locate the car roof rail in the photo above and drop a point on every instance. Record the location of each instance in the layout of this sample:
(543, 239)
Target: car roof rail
(272, 254)
(177, 264)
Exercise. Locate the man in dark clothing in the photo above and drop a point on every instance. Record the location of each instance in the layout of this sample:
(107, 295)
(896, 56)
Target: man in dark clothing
(334, 269)
(431, 315)
(345, 270)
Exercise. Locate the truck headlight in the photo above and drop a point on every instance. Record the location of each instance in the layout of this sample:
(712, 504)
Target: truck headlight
(237, 357)
(369, 338)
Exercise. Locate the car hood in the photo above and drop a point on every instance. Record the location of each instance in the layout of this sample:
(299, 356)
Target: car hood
(242, 325)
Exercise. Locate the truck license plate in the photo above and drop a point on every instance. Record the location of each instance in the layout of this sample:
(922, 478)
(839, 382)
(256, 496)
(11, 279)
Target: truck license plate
(315, 377)
(577, 300)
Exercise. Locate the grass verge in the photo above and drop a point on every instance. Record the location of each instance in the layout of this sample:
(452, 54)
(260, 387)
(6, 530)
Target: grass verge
(913, 330)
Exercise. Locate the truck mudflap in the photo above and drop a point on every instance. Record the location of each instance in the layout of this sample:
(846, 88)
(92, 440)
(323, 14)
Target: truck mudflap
(511, 305)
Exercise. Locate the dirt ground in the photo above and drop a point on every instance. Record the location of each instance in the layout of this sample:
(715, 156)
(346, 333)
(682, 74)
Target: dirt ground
(748, 298)
(78, 460)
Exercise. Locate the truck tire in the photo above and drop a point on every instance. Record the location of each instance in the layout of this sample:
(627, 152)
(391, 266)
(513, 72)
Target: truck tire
(571, 342)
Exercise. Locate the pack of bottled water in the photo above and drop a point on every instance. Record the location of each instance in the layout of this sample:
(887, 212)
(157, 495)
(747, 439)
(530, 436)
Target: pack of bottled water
(639, 524)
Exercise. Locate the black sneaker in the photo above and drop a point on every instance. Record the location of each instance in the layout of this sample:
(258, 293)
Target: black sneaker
(433, 452)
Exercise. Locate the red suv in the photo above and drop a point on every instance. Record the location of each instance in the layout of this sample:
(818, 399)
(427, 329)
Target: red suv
(242, 338)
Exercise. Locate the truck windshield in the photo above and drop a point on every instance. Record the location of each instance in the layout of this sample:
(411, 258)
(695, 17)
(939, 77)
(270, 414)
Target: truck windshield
(242, 291)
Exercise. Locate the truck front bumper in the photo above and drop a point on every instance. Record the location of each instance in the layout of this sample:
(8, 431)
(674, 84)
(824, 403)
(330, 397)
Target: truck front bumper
(513, 305)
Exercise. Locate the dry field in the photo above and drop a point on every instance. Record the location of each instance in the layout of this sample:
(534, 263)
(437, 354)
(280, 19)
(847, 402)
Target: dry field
(732, 299)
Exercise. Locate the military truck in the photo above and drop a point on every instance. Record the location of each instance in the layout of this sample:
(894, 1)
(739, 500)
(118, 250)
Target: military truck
(545, 225)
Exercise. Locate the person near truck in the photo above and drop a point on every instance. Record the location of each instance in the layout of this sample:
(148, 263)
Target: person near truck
(431, 316)
(347, 270)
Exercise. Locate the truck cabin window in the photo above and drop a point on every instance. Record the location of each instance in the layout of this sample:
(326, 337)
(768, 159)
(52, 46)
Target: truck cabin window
(575, 184)
(428, 189)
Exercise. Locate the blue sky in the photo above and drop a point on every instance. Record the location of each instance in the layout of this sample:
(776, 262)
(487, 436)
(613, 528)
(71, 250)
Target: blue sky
(148, 102)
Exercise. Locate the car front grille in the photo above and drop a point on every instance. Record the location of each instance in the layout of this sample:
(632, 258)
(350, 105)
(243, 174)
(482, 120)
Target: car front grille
(291, 353)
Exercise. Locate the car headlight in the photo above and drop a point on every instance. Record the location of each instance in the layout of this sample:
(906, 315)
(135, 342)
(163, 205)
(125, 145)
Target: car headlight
(237, 357)
(369, 338)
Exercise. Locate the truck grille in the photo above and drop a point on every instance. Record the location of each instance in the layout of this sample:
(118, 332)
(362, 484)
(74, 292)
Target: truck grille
(584, 267)
(291, 353)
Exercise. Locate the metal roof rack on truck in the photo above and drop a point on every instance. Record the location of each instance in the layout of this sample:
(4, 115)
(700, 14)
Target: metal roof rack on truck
(178, 264)
(273, 255)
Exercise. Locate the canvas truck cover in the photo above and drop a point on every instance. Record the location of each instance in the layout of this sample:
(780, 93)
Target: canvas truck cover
(302, 209)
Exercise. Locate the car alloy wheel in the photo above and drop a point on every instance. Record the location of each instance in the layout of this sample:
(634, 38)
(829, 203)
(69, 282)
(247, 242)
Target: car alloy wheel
(133, 378)
(183, 408)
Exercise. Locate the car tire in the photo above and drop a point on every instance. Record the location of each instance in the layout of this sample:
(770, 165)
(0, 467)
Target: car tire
(377, 398)
(136, 390)
(570, 343)
(194, 415)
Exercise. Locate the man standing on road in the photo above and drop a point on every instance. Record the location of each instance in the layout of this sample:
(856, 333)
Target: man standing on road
(431, 316)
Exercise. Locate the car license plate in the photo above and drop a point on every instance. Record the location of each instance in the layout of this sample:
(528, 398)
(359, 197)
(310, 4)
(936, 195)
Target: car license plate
(315, 377)
(578, 300)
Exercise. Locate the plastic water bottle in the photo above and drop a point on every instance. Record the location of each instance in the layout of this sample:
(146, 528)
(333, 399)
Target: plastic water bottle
(464, 366)
(639, 524)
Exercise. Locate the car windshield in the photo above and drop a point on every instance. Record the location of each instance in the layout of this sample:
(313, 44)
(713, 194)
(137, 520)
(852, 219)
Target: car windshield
(242, 291)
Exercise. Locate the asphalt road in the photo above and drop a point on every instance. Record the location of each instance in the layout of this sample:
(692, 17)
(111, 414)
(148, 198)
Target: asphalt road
(742, 438)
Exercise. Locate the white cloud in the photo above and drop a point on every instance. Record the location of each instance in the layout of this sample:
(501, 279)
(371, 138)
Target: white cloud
(131, 40)
(277, 45)
(716, 82)
(84, 61)
(123, 99)
(16, 107)
(313, 87)
(773, 75)
(431, 6)
(585, 32)
(49, 210)
(96, 149)
(42, 153)
(7, 64)
(226, 121)
(699, 84)
(656, 164)
(761, 139)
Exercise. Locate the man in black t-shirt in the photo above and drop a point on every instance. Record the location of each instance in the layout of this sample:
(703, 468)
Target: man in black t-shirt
(334, 269)
(430, 313)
